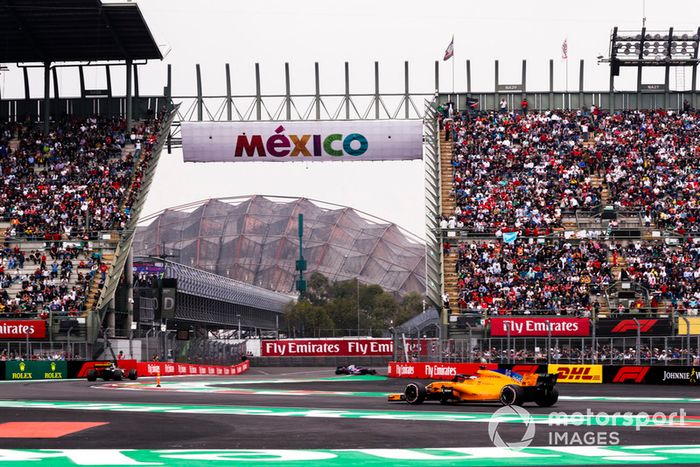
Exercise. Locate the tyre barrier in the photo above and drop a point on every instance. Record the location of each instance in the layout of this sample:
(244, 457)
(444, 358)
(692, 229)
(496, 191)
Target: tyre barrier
(568, 373)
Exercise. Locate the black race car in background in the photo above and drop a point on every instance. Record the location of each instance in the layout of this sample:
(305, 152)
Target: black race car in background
(354, 370)
(108, 370)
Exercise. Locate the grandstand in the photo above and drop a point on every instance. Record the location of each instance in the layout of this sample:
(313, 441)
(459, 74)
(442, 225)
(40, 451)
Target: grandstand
(574, 204)
(582, 212)
(74, 180)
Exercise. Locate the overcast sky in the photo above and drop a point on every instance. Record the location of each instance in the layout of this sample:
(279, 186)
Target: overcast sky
(215, 32)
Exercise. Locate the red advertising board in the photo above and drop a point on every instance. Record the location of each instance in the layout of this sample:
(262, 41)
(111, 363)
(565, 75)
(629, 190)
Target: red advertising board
(22, 328)
(171, 369)
(339, 347)
(327, 347)
(434, 370)
(537, 327)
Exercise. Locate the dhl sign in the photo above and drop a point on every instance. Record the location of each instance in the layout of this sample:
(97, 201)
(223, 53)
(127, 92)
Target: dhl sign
(577, 373)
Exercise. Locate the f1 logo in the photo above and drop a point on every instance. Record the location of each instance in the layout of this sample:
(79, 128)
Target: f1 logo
(625, 325)
(525, 369)
(635, 374)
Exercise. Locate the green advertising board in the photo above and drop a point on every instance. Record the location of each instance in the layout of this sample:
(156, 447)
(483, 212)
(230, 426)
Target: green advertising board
(21, 370)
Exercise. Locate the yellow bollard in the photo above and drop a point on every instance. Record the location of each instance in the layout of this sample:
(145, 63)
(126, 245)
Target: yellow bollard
(158, 379)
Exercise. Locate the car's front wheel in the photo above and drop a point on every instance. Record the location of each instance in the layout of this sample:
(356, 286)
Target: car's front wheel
(118, 375)
(92, 375)
(512, 395)
(415, 393)
(133, 374)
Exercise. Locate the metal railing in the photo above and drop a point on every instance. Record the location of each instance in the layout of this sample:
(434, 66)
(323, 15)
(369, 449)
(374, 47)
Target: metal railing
(629, 350)
(42, 350)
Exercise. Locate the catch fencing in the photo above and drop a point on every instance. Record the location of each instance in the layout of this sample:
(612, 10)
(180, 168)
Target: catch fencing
(636, 350)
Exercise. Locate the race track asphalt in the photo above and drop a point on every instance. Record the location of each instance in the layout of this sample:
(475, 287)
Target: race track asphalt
(252, 411)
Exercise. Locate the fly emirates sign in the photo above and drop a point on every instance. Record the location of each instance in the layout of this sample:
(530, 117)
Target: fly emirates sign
(539, 327)
(335, 347)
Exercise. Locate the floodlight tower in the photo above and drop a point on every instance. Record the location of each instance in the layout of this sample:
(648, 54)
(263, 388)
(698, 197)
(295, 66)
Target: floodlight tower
(648, 48)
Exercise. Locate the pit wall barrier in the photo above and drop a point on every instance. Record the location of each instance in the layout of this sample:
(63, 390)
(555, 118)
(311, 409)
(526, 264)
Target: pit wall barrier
(17, 370)
(580, 374)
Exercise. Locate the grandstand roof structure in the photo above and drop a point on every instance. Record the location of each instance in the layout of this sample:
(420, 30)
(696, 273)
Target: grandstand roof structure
(253, 239)
(72, 31)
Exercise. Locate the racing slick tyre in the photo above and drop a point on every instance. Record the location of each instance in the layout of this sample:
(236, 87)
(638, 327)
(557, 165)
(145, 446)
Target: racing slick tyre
(118, 375)
(512, 395)
(372, 372)
(548, 399)
(133, 375)
(92, 375)
(338, 371)
(415, 393)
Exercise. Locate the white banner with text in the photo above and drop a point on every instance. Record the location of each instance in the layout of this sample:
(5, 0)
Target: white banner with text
(349, 140)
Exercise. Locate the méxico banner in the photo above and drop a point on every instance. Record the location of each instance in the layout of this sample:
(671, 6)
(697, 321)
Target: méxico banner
(349, 140)
(538, 327)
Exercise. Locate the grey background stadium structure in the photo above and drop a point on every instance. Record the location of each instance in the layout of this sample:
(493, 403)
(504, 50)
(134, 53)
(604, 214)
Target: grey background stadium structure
(254, 240)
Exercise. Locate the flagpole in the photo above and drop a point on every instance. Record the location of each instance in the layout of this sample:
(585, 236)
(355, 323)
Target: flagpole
(453, 74)
(565, 56)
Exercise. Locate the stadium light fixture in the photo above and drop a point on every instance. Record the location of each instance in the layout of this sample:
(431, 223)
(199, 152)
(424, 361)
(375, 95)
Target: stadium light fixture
(654, 48)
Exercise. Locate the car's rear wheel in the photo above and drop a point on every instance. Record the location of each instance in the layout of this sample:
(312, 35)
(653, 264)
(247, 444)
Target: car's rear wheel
(415, 393)
(548, 399)
(92, 375)
(512, 395)
(118, 375)
(339, 371)
(133, 374)
(372, 372)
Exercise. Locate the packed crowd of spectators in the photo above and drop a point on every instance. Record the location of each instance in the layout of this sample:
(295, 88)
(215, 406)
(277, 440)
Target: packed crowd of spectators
(521, 172)
(63, 188)
(670, 272)
(53, 285)
(653, 165)
(72, 182)
(551, 276)
(514, 171)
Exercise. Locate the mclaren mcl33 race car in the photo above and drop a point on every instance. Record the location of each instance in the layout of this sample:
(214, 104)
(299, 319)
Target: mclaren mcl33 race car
(354, 370)
(502, 386)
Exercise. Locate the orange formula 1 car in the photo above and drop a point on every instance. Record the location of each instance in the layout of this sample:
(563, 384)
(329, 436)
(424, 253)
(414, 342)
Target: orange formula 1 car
(502, 386)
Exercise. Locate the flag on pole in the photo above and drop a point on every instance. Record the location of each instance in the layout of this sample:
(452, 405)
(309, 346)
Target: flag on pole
(450, 50)
(510, 237)
(565, 50)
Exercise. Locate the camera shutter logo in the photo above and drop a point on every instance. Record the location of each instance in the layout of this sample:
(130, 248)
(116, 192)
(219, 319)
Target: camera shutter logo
(511, 415)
